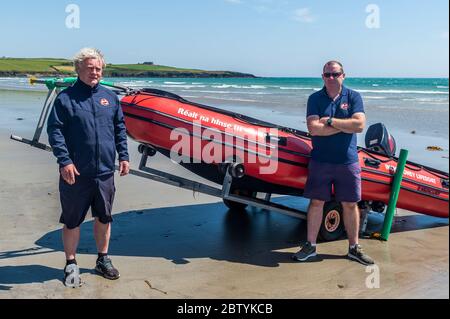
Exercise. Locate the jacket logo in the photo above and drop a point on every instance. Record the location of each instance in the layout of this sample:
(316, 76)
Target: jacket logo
(344, 106)
(104, 102)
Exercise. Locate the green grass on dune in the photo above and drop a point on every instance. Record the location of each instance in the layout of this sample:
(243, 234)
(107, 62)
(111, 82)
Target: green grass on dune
(45, 65)
(144, 68)
(30, 65)
(64, 67)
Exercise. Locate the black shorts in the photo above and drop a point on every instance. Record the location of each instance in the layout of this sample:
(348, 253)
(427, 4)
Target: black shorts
(95, 192)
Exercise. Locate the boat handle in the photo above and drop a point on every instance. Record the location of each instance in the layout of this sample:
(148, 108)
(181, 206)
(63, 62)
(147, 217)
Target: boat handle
(372, 162)
(276, 139)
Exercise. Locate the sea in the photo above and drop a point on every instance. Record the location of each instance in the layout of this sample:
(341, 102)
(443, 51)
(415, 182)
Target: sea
(414, 110)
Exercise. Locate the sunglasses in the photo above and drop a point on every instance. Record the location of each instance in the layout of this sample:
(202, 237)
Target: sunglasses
(335, 75)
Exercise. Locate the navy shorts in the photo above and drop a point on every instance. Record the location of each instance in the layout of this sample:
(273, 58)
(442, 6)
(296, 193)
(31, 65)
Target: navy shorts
(94, 192)
(324, 179)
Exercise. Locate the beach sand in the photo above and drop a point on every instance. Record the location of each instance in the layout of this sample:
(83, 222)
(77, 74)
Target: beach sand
(171, 243)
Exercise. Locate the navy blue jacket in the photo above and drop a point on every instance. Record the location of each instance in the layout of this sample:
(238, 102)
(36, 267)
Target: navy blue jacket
(86, 127)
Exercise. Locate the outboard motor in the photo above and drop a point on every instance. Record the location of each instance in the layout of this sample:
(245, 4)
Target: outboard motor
(379, 140)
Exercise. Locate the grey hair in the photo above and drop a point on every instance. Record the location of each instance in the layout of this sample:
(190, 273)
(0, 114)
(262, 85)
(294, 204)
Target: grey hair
(87, 53)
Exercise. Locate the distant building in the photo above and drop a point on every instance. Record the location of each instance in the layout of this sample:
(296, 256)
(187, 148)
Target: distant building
(148, 63)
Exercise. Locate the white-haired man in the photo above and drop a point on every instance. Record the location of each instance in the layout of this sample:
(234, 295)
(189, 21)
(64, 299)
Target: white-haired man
(85, 129)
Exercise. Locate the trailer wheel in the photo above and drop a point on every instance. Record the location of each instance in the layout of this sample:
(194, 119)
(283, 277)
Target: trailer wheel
(332, 227)
(235, 205)
(151, 151)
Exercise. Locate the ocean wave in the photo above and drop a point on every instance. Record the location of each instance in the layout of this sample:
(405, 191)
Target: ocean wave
(235, 86)
(402, 92)
(375, 97)
(296, 88)
(227, 92)
(413, 107)
(442, 87)
(433, 103)
(262, 87)
(206, 91)
(222, 86)
(187, 86)
(23, 88)
(229, 99)
(16, 79)
(169, 82)
(140, 84)
(426, 100)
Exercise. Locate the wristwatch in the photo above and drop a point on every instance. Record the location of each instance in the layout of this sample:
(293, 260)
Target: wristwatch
(330, 121)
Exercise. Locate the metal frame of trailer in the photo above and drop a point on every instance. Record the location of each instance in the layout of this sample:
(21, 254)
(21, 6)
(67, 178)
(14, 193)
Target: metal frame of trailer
(231, 170)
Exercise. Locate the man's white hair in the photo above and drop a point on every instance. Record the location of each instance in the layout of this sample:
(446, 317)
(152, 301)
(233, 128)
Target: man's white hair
(87, 53)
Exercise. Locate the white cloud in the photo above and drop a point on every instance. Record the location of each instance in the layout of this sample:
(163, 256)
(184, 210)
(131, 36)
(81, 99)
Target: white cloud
(304, 15)
(444, 35)
(234, 1)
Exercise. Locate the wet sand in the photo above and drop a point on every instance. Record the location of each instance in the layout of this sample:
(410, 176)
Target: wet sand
(171, 243)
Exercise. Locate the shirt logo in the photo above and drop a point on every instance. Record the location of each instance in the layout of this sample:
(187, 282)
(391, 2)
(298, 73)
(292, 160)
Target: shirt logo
(104, 102)
(344, 106)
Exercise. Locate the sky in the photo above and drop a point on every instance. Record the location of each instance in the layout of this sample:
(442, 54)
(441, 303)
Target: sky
(274, 38)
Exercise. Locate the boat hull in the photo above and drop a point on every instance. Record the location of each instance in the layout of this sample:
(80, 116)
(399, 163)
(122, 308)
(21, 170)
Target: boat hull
(275, 158)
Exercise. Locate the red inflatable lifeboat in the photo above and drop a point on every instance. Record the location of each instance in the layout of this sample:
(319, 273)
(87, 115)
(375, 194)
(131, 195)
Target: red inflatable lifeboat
(274, 158)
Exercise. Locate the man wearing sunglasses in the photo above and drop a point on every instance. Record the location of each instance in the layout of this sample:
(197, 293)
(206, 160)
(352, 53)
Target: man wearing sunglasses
(334, 115)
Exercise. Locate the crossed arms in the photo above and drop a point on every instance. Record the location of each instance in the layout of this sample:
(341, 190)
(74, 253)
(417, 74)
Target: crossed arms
(318, 126)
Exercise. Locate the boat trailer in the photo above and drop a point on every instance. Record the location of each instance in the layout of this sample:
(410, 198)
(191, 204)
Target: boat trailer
(332, 226)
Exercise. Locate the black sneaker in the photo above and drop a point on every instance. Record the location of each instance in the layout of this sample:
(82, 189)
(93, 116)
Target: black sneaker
(105, 268)
(307, 251)
(358, 254)
(72, 276)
